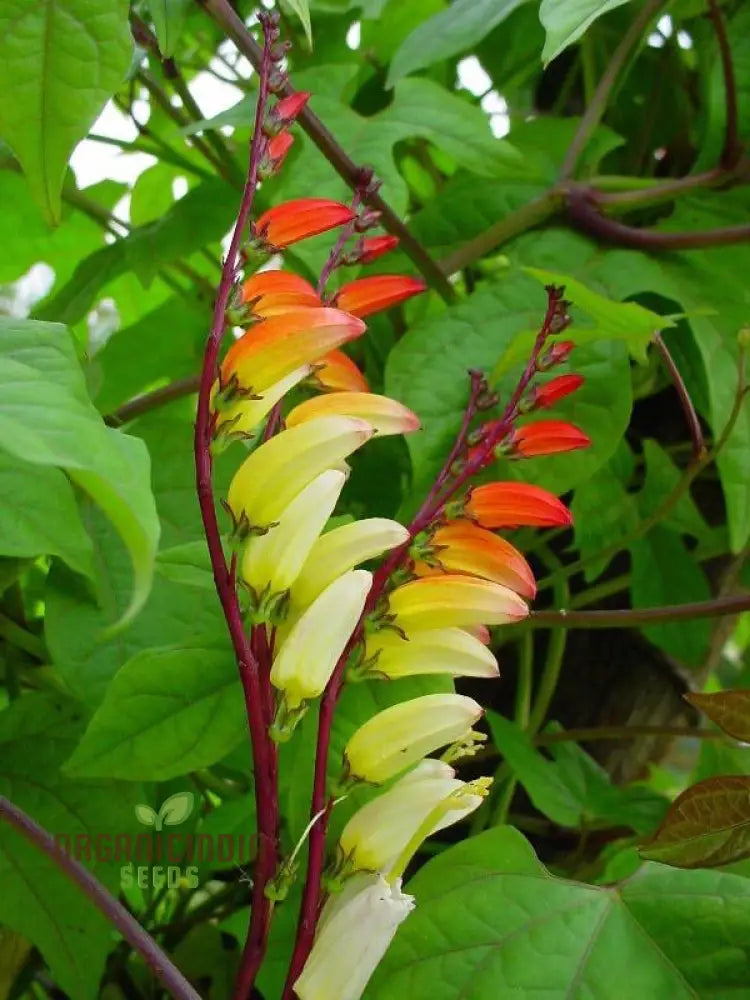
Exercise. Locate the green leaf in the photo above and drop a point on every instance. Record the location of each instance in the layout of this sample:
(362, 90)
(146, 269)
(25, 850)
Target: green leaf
(663, 573)
(302, 9)
(572, 788)
(38, 515)
(166, 712)
(169, 19)
(448, 33)
(145, 814)
(566, 20)
(47, 419)
(490, 922)
(37, 732)
(662, 477)
(617, 320)
(730, 710)
(188, 564)
(604, 513)
(60, 61)
(706, 826)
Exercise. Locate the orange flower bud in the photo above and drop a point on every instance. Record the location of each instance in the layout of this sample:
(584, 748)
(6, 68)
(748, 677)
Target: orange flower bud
(275, 154)
(463, 547)
(372, 247)
(296, 220)
(509, 505)
(369, 295)
(557, 388)
(548, 437)
(285, 111)
(276, 346)
(272, 292)
(336, 372)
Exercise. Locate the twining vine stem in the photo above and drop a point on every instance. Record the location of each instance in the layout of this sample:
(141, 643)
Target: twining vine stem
(165, 971)
(263, 751)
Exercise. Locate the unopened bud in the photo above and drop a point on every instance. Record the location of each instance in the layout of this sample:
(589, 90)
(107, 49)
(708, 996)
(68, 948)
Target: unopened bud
(555, 355)
(367, 218)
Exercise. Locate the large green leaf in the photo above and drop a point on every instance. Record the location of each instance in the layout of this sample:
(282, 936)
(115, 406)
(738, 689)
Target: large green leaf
(38, 515)
(664, 572)
(75, 618)
(47, 419)
(167, 712)
(60, 60)
(566, 20)
(169, 18)
(455, 29)
(662, 477)
(36, 734)
(490, 922)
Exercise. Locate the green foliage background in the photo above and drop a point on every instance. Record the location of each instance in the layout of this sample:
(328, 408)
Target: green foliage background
(117, 684)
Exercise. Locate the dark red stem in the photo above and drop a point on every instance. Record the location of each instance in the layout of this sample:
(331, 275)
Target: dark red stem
(433, 505)
(334, 257)
(262, 748)
(732, 150)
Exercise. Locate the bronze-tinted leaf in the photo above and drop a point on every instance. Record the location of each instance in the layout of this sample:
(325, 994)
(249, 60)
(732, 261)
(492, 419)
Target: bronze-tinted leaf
(730, 710)
(706, 826)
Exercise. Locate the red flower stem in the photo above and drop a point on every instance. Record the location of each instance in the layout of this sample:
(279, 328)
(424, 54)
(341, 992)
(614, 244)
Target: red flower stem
(321, 804)
(344, 236)
(266, 796)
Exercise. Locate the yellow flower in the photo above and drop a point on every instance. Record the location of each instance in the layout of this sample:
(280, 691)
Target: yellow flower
(355, 929)
(272, 476)
(342, 549)
(454, 600)
(378, 834)
(399, 736)
(311, 649)
(451, 651)
(385, 414)
(271, 562)
(241, 417)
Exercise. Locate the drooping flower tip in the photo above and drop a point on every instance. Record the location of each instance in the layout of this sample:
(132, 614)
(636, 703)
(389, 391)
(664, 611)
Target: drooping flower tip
(453, 599)
(277, 345)
(336, 372)
(460, 546)
(512, 505)
(557, 388)
(385, 414)
(356, 927)
(403, 734)
(368, 295)
(548, 437)
(292, 221)
(285, 111)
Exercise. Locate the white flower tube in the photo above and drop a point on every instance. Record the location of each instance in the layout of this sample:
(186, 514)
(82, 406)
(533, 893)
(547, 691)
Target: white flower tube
(356, 927)
(379, 833)
(399, 736)
(317, 639)
(271, 562)
(272, 476)
(342, 549)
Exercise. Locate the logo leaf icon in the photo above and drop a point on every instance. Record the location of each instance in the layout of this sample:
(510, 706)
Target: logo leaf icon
(145, 814)
(176, 808)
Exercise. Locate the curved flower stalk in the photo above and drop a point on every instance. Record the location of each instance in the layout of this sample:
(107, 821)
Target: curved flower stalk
(302, 610)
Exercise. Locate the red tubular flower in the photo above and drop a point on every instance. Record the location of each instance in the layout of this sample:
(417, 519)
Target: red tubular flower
(372, 247)
(285, 111)
(557, 388)
(292, 221)
(272, 292)
(336, 372)
(275, 154)
(510, 505)
(369, 295)
(463, 547)
(548, 437)
(556, 354)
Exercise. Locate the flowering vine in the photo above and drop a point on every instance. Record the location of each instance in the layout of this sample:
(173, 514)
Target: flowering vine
(303, 615)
